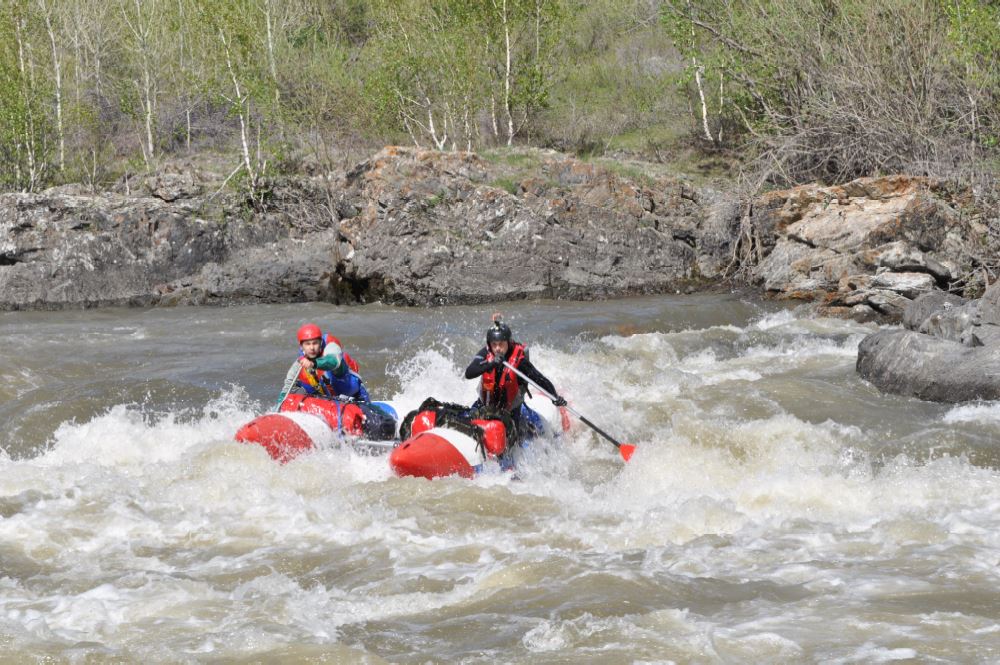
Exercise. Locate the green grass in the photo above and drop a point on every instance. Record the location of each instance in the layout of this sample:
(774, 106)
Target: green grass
(645, 139)
(435, 200)
(516, 157)
(511, 185)
(631, 172)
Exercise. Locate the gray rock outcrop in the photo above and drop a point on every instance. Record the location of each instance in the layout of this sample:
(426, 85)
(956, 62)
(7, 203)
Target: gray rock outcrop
(433, 228)
(406, 226)
(414, 226)
(949, 350)
(67, 248)
(865, 249)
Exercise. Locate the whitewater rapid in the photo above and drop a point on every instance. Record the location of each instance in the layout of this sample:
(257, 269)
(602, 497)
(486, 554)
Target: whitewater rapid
(778, 509)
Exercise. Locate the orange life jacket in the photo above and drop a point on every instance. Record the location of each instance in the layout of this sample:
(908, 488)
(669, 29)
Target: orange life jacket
(314, 382)
(505, 392)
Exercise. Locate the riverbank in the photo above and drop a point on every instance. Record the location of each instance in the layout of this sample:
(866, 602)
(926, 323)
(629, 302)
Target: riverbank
(418, 227)
(406, 227)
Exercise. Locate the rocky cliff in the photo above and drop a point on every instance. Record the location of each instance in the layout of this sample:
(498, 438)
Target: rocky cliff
(420, 227)
(865, 249)
(407, 226)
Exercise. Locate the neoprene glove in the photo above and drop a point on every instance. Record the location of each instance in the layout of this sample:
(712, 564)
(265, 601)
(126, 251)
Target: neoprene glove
(559, 401)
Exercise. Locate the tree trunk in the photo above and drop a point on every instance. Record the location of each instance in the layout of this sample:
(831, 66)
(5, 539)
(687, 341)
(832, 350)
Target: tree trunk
(272, 65)
(57, 71)
(28, 137)
(507, 76)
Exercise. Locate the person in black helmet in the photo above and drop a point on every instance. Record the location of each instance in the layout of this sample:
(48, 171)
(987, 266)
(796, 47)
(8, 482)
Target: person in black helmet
(499, 387)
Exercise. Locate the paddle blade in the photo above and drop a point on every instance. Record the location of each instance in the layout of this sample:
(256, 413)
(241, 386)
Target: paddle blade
(626, 449)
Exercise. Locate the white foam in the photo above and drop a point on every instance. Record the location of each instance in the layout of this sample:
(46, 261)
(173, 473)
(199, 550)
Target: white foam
(430, 373)
(982, 412)
(775, 320)
(127, 434)
(155, 534)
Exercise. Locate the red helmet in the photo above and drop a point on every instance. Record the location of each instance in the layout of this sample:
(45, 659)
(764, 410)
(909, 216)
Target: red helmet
(309, 331)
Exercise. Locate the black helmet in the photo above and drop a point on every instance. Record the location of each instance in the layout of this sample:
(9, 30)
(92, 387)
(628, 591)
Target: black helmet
(498, 332)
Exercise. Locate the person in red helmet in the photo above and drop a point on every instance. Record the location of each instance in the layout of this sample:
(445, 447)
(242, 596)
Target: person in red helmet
(322, 368)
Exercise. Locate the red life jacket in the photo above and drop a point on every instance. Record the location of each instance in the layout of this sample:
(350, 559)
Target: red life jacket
(505, 393)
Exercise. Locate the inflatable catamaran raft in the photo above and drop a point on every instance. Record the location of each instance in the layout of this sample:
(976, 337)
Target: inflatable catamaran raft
(438, 439)
(303, 423)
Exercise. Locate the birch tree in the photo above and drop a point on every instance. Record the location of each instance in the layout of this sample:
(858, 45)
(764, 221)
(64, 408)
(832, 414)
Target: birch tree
(49, 18)
(187, 73)
(25, 128)
(523, 38)
(429, 71)
(145, 41)
(444, 64)
(92, 30)
(243, 81)
(321, 92)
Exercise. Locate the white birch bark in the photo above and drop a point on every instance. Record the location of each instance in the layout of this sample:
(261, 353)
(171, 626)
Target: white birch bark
(46, 10)
(185, 66)
(507, 75)
(697, 79)
(701, 96)
(438, 143)
(141, 26)
(28, 137)
(240, 103)
(722, 105)
(271, 61)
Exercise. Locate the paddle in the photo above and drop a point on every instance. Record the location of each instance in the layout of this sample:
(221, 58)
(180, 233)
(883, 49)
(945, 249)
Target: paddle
(626, 449)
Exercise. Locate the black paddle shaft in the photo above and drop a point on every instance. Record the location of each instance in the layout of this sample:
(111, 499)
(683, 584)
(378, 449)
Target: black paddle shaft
(574, 411)
(598, 430)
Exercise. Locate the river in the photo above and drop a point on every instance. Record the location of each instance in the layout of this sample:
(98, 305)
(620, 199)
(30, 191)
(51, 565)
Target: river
(777, 509)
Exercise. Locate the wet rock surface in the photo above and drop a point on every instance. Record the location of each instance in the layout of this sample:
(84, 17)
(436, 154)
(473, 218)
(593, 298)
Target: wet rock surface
(948, 350)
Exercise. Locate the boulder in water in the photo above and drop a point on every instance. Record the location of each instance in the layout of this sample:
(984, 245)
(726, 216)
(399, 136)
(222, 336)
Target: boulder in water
(949, 350)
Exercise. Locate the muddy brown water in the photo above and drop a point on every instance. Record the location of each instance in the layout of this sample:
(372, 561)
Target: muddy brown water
(778, 509)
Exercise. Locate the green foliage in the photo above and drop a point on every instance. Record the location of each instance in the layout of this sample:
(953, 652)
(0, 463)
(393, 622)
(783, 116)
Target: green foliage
(974, 35)
(630, 172)
(437, 199)
(25, 127)
(615, 77)
(237, 46)
(437, 68)
(834, 90)
(516, 158)
(425, 72)
(277, 83)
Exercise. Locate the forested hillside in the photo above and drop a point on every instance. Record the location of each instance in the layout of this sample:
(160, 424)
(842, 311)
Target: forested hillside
(91, 90)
